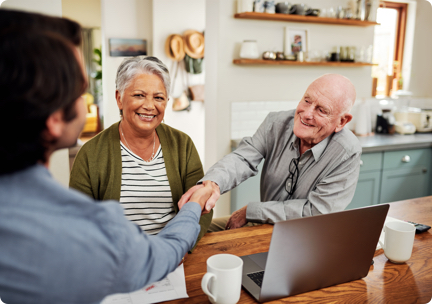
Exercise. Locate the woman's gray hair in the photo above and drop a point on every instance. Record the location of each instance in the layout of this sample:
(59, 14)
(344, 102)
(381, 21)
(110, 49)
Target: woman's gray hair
(130, 67)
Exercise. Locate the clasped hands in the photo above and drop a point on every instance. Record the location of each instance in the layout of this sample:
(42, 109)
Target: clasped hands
(199, 192)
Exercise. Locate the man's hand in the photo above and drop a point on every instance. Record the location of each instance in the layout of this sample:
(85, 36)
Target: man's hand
(201, 195)
(237, 219)
(186, 197)
(211, 201)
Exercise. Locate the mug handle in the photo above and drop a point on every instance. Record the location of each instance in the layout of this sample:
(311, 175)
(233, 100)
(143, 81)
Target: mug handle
(379, 240)
(204, 285)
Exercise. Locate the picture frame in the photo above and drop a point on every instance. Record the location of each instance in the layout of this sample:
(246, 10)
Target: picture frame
(295, 40)
(119, 47)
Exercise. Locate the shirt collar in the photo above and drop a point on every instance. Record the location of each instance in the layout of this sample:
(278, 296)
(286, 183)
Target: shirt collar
(316, 150)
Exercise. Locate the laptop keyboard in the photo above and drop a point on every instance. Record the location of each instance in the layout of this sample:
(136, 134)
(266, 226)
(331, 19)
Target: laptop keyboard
(257, 277)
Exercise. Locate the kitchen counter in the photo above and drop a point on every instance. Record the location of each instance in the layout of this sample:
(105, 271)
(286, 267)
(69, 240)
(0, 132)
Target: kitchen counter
(385, 142)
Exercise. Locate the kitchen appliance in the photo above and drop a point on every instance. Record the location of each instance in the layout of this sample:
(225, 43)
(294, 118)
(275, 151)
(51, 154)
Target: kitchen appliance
(385, 123)
(420, 118)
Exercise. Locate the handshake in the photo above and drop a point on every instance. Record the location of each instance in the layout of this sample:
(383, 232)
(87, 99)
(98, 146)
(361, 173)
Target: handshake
(205, 194)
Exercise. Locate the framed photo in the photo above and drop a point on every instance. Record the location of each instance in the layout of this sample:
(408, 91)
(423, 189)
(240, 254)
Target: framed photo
(127, 47)
(295, 40)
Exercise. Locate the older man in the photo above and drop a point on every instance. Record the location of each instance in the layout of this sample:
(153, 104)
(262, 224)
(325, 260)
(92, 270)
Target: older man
(311, 162)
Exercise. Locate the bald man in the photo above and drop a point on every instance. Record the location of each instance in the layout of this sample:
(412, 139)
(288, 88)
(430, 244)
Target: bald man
(311, 162)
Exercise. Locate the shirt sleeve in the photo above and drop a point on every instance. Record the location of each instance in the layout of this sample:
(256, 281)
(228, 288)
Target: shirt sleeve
(239, 165)
(145, 259)
(333, 193)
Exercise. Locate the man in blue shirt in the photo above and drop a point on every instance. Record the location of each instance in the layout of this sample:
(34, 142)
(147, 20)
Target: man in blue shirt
(58, 245)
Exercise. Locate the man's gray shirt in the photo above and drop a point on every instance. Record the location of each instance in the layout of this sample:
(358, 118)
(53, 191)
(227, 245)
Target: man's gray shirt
(327, 178)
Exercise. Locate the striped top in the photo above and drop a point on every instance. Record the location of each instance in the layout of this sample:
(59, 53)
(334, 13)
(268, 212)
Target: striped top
(145, 191)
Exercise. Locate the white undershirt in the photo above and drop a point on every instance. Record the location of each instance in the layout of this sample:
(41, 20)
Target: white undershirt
(145, 191)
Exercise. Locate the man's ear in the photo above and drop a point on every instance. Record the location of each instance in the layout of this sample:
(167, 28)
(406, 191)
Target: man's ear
(344, 119)
(55, 125)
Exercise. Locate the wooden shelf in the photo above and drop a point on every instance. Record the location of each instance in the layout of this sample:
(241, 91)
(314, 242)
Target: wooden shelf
(299, 18)
(288, 62)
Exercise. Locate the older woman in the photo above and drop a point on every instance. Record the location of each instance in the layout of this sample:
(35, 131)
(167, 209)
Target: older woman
(140, 161)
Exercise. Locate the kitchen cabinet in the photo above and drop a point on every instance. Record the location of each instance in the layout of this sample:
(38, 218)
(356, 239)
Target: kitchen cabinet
(368, 186)
(392, 176)
(406, 174)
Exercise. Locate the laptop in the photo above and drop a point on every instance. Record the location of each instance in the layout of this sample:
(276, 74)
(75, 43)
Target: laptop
(311, 253)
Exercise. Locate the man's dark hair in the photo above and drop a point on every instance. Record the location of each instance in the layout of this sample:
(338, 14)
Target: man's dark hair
(39, 74)
(12, 19)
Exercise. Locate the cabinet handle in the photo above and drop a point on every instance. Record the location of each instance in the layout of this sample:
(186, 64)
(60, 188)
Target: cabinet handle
(406, 159)
(361, 162)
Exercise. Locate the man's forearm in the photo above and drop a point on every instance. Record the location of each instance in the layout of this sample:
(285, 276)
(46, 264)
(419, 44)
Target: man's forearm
(272, 212)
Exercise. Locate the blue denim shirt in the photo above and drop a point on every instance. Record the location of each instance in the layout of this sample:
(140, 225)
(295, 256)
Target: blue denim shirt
(59, 246)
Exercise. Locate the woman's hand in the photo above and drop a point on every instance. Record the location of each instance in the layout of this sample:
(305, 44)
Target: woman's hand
(210, 203)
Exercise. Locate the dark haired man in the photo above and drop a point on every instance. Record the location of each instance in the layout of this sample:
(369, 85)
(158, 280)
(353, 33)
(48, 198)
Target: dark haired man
(58, 245)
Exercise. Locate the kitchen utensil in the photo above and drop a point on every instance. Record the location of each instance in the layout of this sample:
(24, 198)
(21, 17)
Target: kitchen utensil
(280, 56)
(312, 12)
(283, 7)
(269, 7)
(298, 9)
(269, 55)
(405, 127)
(249, 49)
(245, 6)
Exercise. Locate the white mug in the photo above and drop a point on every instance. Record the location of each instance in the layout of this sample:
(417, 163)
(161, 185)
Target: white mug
(398, 241)
(222, 282)
(245, 6)
(249, 49)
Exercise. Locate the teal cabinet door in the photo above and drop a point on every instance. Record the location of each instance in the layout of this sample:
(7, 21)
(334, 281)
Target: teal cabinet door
(246, 192)
(402, 184)
(367, 191)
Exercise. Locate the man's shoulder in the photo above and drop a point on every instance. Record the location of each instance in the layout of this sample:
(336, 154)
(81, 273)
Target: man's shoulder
(282, 116)
(279, 120)
(348, 141)
(58, 226)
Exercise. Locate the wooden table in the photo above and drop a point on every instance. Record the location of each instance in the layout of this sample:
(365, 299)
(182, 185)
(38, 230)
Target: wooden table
(386, 282)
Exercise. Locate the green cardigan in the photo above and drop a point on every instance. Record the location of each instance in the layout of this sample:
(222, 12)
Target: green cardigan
(98, 166)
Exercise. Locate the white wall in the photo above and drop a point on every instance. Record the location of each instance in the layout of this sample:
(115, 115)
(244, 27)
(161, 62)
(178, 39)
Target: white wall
(421, 68)
(186, 14)
(49, 7)
(121, 19)
(136, 21)
(227, 83)
(87, 13)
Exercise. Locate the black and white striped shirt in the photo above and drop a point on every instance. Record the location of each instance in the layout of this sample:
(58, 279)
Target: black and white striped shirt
(145, 191)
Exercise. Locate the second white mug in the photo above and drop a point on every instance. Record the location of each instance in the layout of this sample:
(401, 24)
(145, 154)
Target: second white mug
(398, 241)
(222, 282)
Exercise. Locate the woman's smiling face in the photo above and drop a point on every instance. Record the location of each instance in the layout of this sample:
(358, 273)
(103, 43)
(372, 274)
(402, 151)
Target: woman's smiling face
(143, 103)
